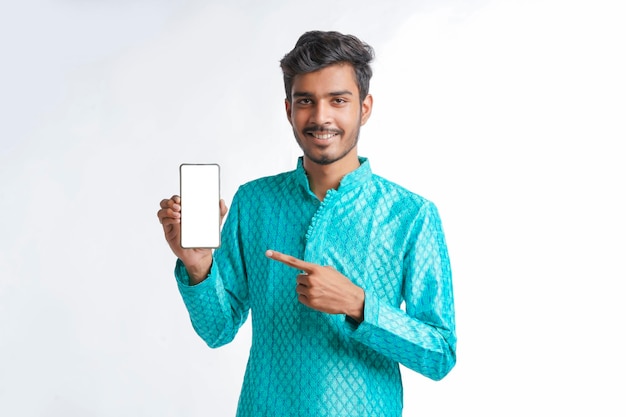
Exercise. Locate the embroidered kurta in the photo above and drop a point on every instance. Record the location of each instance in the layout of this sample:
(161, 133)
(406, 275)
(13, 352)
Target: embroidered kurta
(303, 362)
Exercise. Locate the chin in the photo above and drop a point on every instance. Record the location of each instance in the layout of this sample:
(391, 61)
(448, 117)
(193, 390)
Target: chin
(324, 159)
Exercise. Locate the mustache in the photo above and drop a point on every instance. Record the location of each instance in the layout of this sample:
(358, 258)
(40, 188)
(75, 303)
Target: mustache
(321, 129)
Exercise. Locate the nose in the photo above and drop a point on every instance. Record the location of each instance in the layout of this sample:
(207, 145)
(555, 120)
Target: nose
(321, 114)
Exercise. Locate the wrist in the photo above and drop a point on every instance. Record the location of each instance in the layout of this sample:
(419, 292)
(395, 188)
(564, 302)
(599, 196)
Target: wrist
(356, 311)
(198, 273)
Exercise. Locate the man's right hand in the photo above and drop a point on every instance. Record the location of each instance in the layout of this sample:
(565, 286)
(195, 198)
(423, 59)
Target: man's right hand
(197, 261)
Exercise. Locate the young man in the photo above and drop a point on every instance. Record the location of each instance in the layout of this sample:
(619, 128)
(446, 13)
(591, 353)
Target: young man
(323, 257)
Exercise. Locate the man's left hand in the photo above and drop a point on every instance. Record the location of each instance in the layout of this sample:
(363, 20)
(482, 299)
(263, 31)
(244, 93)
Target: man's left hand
(323, 288)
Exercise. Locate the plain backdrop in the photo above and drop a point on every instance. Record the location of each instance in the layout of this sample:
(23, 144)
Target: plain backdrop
(509, 115)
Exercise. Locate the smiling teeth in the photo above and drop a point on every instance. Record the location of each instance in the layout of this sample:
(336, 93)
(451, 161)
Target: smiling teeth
(326, 136)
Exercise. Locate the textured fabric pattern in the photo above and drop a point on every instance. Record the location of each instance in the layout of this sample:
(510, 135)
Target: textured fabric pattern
(302, 362)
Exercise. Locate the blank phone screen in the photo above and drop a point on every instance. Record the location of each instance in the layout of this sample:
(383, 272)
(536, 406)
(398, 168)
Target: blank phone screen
(200, 205)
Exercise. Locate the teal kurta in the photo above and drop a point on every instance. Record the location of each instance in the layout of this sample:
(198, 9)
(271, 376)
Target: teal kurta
(386, 239)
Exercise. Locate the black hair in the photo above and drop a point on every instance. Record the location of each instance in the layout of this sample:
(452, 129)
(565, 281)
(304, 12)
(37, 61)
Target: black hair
(316, 50)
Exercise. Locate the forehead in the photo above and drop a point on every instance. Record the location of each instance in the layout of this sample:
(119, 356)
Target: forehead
(336, 77)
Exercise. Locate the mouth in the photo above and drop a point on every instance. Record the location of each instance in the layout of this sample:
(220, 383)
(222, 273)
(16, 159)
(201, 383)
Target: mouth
(323, 136)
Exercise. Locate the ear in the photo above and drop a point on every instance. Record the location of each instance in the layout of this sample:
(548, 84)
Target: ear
(366, 108)
(288, 110)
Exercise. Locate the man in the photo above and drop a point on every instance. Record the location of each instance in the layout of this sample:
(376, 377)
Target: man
(323, 257)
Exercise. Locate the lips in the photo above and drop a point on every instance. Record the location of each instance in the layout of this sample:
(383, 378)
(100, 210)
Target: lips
(322, 134)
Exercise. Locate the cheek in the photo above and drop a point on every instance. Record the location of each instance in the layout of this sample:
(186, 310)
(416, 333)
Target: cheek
(352, 120)
(298, 119)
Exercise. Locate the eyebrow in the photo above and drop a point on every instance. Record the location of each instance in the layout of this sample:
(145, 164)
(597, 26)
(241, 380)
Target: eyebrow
(332, 93)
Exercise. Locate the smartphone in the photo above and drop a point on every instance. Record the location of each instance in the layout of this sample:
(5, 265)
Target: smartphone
(199, 205)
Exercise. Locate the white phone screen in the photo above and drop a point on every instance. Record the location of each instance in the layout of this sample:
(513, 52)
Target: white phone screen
(200, 205)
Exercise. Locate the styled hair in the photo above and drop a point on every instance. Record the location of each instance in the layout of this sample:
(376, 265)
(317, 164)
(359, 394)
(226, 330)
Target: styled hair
(316, 50)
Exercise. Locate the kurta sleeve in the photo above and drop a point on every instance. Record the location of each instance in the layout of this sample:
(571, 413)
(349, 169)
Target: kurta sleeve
(422, 338)
(219, 305)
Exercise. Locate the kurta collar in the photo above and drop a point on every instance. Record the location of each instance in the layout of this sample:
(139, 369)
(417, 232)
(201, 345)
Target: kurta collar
(351, 180)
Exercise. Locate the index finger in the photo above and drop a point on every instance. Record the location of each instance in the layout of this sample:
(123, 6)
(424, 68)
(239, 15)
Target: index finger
(291, 261)
(165, 203)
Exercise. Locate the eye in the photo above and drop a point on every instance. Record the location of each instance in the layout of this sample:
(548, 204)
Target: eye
(304, 101)
(340, 100)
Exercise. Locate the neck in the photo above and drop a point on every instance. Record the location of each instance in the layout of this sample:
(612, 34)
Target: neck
(325, 177)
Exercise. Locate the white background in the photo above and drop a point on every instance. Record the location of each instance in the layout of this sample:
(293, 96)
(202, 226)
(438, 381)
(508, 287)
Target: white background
(509, 115)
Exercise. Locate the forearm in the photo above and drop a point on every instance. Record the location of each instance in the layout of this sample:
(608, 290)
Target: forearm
(422, 347)
(215, 316)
